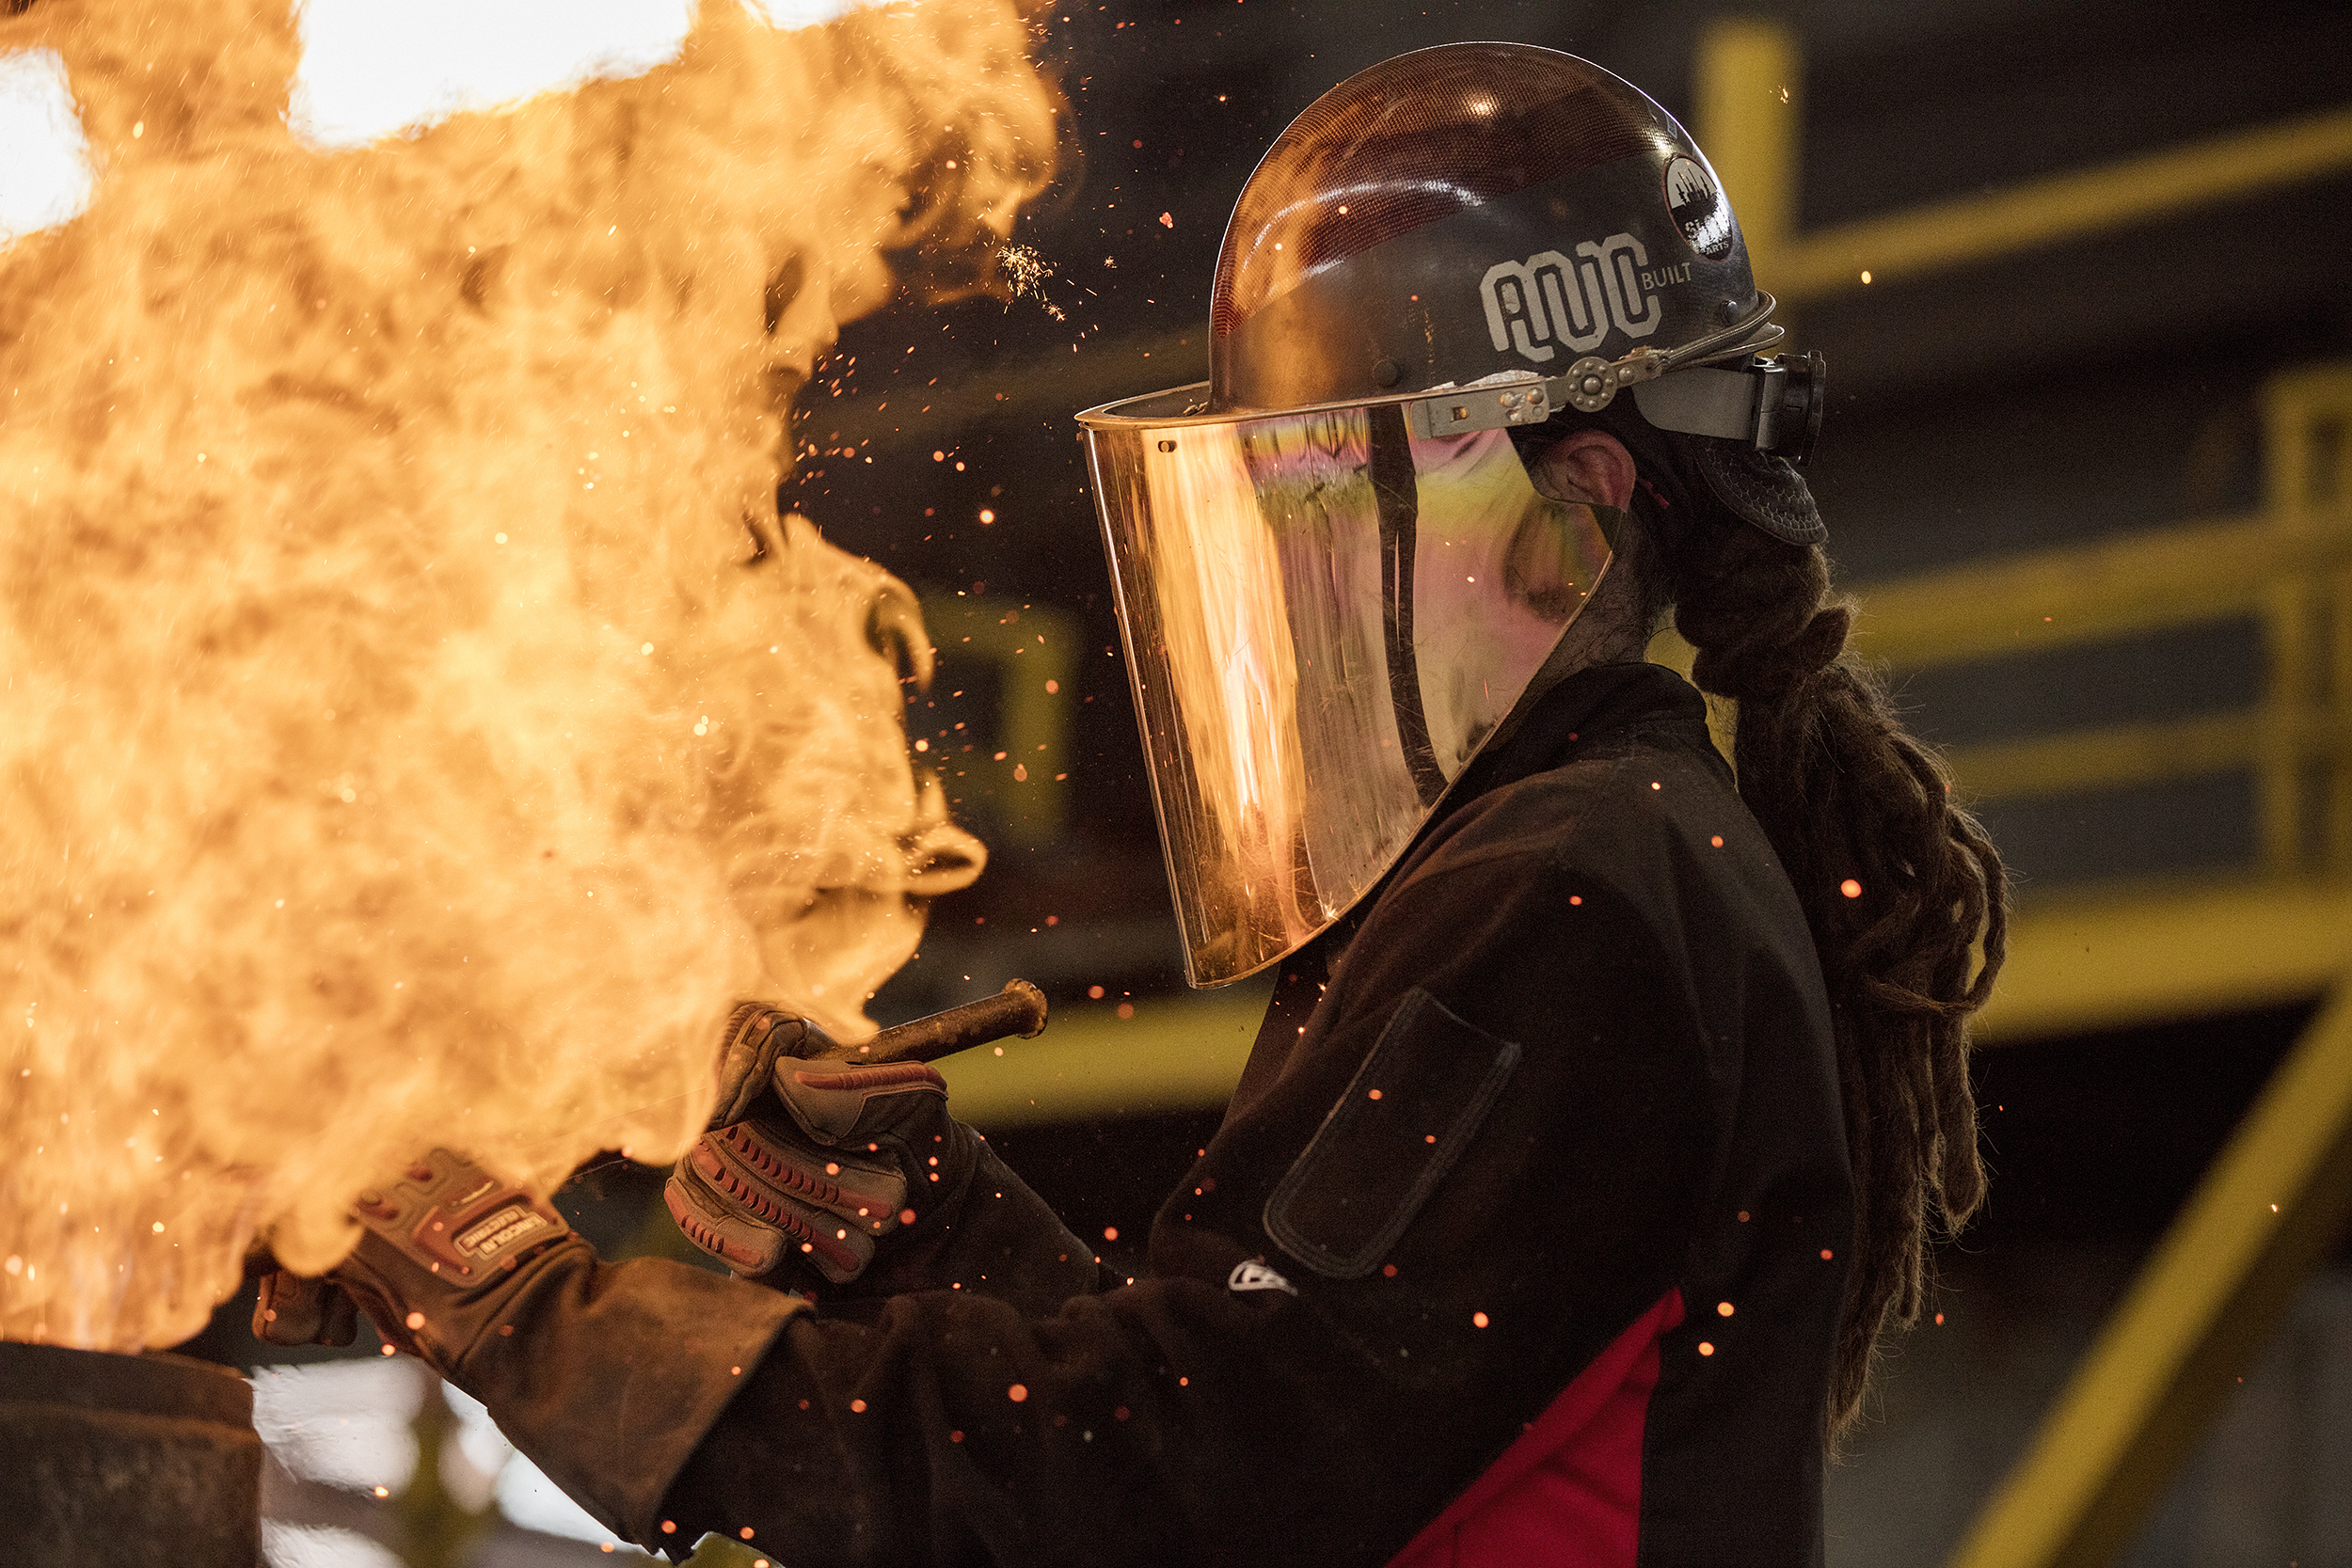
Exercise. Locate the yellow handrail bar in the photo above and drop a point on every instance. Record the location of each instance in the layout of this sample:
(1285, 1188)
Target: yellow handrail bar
(2044, 212)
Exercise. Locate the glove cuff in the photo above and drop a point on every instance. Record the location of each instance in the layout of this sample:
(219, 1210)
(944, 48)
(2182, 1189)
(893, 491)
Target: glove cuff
(607, 1376)
(438, 1250)
(615, 1372)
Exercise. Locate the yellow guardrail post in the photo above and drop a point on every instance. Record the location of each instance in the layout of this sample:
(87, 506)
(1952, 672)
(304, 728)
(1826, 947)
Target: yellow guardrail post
(2308, 422)
(1030, 654)
(2306, 418)
(2271, 1208)
(2337, 841)
(1749, 102)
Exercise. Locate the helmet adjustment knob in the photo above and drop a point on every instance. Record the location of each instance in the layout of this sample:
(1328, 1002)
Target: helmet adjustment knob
(1592, 384)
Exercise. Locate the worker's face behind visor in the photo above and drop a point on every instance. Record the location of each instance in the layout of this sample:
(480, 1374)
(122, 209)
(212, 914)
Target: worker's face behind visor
(1325, 617)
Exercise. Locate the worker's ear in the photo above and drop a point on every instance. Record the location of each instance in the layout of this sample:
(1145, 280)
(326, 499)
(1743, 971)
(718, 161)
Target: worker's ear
(1587, 465)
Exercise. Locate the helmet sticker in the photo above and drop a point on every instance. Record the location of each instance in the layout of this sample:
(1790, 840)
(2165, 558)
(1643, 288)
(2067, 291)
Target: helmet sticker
(1700, 212)
(1548, 302)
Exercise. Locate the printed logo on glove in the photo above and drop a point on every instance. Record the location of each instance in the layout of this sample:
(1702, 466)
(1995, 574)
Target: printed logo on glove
(458, 1220)
(446, 1233)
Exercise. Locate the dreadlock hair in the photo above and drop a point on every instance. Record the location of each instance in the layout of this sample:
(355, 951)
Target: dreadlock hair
(1897, 882)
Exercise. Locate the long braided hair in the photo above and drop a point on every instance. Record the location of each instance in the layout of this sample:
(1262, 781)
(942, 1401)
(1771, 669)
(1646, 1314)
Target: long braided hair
(1903, 891)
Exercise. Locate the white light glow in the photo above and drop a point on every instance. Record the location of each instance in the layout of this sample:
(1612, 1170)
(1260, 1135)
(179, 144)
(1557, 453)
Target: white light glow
(529, 1498)
(44, 160)
(369, 70)
(524, 1493)
(285, 1546)
(348, 1424)
(343, 1423)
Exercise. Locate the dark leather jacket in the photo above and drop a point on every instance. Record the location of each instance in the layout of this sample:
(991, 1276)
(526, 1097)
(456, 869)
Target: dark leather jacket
(1574, 1058)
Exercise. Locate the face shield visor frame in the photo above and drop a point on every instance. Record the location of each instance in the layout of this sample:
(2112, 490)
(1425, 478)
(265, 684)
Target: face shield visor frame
(1329, 613)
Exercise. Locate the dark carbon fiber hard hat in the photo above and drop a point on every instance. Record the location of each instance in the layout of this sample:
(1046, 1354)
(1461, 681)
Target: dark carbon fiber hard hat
(1468, 212)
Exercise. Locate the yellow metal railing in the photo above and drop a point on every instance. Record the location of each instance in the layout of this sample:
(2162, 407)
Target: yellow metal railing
(1015, 776)
(2270, 1209)
(2276, 1200)
(2277, 1197)
(1750, 101)
(2290, 567)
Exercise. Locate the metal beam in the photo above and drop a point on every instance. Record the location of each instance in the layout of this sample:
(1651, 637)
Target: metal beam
(1749, 109)
(2083, 965)
(2143, 955)
(1925, 240)
(2136, 582)
(2283, 741)
(2117, 757)
(2273, 1205)
(1175, 1053)
(1749, 102)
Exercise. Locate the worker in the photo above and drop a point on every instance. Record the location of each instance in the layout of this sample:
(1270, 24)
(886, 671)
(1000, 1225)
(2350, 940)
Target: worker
(1608, 1096)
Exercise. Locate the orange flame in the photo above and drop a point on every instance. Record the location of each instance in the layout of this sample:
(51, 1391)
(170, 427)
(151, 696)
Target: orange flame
(1231, 660)
(403, 741)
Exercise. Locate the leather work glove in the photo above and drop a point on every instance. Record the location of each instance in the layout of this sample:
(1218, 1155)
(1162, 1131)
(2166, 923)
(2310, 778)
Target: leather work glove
(290, 1309)
(607, 1376)
(811, 1156)
(460, 1231)
(448, 1236)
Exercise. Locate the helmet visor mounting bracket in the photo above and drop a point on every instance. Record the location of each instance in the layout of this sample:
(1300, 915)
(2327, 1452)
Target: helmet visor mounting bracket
(1773, 404)
(1495, 402)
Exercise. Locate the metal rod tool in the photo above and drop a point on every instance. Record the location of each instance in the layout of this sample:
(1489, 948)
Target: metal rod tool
(1019, 1009)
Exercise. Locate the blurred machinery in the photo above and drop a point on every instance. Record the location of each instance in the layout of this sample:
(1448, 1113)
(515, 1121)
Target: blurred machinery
(127, 1459)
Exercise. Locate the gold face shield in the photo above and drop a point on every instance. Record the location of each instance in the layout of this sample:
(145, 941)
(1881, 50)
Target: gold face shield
(1326, 614)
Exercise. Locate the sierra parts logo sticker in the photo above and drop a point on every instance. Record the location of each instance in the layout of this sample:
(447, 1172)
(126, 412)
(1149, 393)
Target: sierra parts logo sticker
(1548, 302)
(1700, 212)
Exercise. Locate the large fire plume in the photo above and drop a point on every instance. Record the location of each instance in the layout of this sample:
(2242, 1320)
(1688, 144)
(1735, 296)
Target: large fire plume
(418, 724)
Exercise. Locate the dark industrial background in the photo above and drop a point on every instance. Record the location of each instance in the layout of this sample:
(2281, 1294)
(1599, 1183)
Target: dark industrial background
(2099, 388)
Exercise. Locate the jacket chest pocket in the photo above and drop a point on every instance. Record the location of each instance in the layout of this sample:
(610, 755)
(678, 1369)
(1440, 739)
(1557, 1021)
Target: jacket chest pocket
(1410, 1111)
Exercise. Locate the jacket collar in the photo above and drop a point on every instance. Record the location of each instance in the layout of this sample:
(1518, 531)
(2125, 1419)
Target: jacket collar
(1601, 707)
